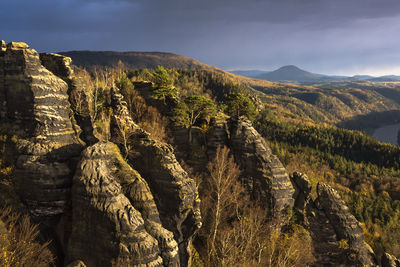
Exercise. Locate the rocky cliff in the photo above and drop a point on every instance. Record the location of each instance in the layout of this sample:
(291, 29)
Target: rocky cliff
(114, 217)
(176, 193)
(262, 172)
(102, 211)
(337, 236)
(35, 108)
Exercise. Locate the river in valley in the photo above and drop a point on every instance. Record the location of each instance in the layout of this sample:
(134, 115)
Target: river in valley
(387, 134)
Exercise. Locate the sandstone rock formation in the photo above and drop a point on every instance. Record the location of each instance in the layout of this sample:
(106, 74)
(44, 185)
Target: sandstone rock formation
(302, 194)
(176, 193)
(345, 225)
(114, 217)
(262, 172)
(35, 108)
(78, 93)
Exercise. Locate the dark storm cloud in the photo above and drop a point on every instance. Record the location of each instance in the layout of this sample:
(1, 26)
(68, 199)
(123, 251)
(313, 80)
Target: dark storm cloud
(321, 35)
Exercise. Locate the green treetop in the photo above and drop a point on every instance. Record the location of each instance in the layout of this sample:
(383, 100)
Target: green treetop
(240, 105)
(163, 85)
(187, 113)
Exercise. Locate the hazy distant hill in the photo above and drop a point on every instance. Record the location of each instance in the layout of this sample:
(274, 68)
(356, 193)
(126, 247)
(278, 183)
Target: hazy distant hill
(386, 78)
(290, 73)
(362, 77)
(134, 59)
(250, 73)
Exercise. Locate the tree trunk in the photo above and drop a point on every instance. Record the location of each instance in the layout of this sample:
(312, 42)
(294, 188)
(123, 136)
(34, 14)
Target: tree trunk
(190, 138)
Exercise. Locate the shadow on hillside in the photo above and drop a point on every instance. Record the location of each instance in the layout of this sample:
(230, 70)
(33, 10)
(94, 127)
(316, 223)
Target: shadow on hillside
(371, 120)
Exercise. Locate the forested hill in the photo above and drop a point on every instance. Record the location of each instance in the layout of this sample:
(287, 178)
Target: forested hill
(134, 59)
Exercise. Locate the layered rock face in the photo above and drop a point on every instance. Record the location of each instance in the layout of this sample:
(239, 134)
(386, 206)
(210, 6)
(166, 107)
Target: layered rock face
(345, 224)
(114, 218)
(78, 94)
(331, 225)
(262, 172)
(302, 194)
(35, 108)
(175, 192)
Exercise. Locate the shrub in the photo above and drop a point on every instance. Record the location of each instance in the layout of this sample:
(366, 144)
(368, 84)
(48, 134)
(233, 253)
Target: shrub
(19, 244)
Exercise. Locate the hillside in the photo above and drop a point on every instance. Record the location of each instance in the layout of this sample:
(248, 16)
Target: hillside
(134, 59)
(324, 100)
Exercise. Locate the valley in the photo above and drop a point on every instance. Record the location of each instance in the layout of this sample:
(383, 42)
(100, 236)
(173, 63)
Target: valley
(387, 134)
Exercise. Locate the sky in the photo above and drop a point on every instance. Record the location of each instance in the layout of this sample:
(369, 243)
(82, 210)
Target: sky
(342, 37)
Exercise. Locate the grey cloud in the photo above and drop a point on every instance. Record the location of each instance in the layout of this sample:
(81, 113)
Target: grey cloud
(331, 35)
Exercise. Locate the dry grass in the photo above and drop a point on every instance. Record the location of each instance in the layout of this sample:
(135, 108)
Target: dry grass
(19, 245)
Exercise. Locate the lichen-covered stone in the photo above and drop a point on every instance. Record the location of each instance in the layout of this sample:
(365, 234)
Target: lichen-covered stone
(114, 217)
(261, 170)
(345, 224)
(175, 192)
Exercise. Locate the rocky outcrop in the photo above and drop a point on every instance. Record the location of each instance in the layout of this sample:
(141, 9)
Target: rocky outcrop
(35, 108)
(114, 217)
(302, 194)
(77, 91)
(218, 135)
(346, 226)
(262, 171)
(175, 192)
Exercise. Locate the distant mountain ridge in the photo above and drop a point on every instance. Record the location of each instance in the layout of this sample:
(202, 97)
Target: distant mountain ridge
(134, 59)
(249, 73)
(291, 73)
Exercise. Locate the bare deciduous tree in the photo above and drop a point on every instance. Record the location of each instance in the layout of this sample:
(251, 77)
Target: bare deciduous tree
(236, 231)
